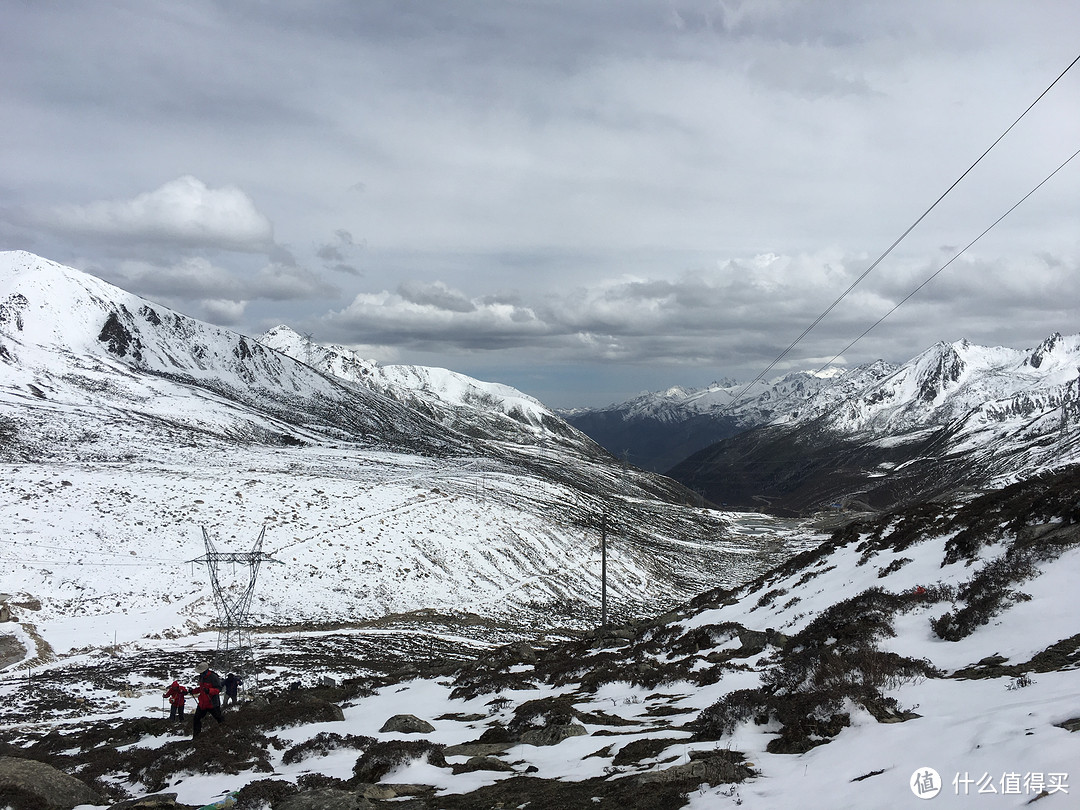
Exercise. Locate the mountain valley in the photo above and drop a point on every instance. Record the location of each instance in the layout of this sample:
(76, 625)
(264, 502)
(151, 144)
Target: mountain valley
(895, 594)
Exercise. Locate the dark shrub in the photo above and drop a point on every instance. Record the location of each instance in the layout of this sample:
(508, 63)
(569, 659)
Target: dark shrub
(323, 743)
(383, 757)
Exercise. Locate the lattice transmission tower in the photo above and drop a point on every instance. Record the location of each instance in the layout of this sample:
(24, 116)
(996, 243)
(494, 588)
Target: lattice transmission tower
(234, 610)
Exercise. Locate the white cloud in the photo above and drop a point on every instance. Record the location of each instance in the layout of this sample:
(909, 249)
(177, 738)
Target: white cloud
(182, 211)
(224, 313)
(439, 315)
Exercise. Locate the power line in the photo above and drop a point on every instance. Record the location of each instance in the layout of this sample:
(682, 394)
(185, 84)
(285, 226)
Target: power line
(958, 254)
(161, 560)
(901, 238)
(38, 562)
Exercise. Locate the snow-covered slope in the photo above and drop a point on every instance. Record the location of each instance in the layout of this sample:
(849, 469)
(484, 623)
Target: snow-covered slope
(455, 400)
(70, 339)
(958, 415)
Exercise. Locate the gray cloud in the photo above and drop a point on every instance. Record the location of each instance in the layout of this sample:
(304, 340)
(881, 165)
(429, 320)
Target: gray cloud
(282, 282)
(435, 296)
(199, 287)
(737, 314)
(334, 254)
(329, 253)
(630, 189)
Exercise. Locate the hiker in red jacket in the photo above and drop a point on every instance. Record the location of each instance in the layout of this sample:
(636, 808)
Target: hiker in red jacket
(206, 693)
(175, 693)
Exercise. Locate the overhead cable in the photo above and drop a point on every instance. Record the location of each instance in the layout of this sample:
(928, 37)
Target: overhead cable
(956, 256)
(899, 239)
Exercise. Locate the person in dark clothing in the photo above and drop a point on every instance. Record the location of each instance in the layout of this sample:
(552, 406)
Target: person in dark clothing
(207, 694)
(232, 684)
(175, 693)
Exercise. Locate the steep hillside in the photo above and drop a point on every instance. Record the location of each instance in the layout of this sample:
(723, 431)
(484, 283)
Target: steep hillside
(125, 428)
(70, 339)
(466, 405)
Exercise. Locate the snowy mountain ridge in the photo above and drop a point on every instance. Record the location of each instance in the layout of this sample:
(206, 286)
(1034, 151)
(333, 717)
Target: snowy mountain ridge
(450, 398)
(955, 381)
(992, 414)
(68, 337)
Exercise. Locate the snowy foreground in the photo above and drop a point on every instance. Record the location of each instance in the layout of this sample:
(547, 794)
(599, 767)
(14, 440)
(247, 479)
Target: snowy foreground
(842, 633)
(102, 550)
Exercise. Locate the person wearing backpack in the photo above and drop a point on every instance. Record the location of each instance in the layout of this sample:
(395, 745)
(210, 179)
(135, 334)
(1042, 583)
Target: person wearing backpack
(232, 684)
(207, 693)
(207, 675)
(175, 693)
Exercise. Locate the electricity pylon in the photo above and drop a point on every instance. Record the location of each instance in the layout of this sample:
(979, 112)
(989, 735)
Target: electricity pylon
(234, 620)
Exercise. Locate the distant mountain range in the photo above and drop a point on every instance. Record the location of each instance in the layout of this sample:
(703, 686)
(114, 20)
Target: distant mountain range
(957, 415)
(656, 431)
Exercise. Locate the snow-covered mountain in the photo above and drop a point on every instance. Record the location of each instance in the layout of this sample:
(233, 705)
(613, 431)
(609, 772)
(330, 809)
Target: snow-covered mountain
(657, 430)
(459, 402)
(69, 341)
(969, 386)
(126, 427)
(958, 415)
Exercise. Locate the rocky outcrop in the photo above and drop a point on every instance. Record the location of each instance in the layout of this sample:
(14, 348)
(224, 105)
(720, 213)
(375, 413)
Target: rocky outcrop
(157, 801)
(26, 784)
(407, 724)
(552, 734)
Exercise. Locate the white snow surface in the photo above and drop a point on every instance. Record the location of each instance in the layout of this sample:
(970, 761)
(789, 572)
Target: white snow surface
(979, 735)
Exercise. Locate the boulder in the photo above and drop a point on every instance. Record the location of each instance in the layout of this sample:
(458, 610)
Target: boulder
(485, 764)
(26, 783)
(475, 749)
(714, 767)
(407, 724)
(157, 801)
(553, 734)
(325, 799)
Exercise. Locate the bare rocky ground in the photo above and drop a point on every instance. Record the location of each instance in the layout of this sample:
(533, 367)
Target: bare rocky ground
(50, 720)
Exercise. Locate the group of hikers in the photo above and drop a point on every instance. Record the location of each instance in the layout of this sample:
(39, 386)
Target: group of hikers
(207, 696)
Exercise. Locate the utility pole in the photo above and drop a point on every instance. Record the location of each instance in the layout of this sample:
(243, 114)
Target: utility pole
(603, 569)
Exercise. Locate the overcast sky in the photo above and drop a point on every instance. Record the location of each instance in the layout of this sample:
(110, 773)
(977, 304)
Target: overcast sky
(582, 199)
